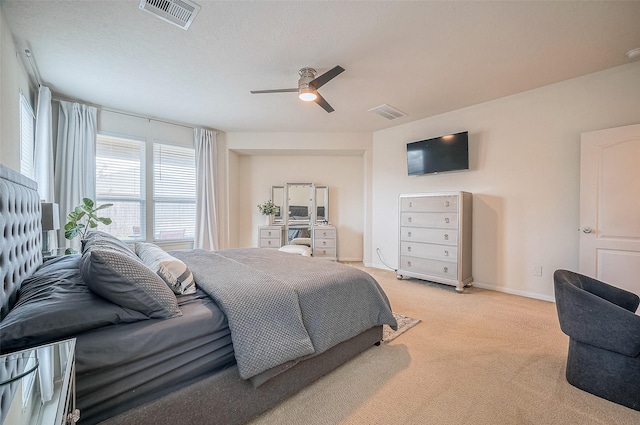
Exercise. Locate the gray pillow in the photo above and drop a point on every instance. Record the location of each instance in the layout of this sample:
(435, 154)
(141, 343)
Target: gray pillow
(124, 280)
(172, 270)
(55, 303)
(98, 239)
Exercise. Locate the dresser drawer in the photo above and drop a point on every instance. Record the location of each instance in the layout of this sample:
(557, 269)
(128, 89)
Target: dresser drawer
(430, 204)
(270, 233)
(422, 219)
(269, 242)
(324, 243)
(425, 266)
(324, 252)
(329, 233)
(435, 252)
(429, 235)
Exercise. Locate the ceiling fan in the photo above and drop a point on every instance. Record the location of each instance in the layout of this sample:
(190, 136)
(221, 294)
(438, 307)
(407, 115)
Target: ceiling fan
(308, 86)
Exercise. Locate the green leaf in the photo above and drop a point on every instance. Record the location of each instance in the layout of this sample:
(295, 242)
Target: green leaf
(103, 206)
(105, 220)
(93, 224)
(88, 203)
(70, 251)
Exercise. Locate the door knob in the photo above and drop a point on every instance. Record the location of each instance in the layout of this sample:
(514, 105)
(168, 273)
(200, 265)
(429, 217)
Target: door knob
(586, 230)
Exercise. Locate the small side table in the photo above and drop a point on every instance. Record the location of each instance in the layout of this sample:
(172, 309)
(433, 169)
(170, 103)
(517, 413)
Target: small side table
(54, 253)
(20, 389)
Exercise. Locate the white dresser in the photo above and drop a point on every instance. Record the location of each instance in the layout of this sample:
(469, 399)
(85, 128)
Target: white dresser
(270, 236)
(435, 237)
(324, 242)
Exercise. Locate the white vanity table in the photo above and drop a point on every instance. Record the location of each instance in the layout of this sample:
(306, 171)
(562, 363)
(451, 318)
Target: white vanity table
(303, 219)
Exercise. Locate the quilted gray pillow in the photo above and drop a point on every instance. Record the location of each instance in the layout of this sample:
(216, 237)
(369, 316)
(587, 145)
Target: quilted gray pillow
(173, 271)
(126, 281)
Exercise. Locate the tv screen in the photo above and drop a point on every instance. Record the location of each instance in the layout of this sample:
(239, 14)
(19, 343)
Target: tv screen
(438, 155)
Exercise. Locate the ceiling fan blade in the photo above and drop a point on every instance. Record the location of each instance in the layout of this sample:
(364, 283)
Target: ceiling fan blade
(322, 102)
(326, 77)
(274, 91)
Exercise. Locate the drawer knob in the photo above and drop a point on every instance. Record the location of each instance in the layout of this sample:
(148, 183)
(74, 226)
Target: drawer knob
(446, 269)
(446, 253)
(409, 219)
(268, 242)
(409, 234)
(446, 203)
(324, 242)
(446, 237)
(446, 219)
(410, 204)
(269, 232)
(408, 263)
(408, 249)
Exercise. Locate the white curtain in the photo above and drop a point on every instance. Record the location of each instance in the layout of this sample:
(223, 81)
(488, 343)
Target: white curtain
(43, 155)
(206, 212)
(75, 171)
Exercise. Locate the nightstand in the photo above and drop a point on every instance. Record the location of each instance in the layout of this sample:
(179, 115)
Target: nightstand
(24, 373)
(54, 253)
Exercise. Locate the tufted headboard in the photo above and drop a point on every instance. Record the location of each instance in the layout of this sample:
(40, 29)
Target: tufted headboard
(20, 234)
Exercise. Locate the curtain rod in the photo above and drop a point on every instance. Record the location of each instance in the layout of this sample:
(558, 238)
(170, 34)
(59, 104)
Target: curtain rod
(33, 66)
(130, 114)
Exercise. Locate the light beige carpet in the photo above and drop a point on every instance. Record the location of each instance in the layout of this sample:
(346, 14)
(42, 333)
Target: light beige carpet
(481, 357)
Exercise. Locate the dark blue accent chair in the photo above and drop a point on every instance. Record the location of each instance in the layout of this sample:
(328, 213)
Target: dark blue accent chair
(604, 337)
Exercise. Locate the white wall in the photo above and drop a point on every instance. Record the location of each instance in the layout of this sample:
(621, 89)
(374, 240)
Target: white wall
(13, 78)
(340, 161)
(525, 163)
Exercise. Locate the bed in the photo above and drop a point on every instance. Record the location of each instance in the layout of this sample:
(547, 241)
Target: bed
(224, 338)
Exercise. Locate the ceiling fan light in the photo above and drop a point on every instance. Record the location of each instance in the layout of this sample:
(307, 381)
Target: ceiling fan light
(307, 94)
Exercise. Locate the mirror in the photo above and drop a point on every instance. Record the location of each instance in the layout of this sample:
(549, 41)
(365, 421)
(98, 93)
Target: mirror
(277, 197)
(322, 204)
(300, 203)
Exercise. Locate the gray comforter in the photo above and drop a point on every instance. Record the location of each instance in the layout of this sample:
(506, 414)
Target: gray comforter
(282, 307)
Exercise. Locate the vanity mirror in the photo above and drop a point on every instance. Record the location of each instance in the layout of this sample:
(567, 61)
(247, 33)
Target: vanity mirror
(302, 219)
(277, 197)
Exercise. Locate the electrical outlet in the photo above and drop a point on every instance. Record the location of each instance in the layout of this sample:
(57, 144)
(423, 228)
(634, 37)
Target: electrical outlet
(536, 270)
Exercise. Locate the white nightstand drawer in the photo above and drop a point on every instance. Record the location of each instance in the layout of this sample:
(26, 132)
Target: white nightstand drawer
(324, 243)
(270, 233)
(430, 204)
(269, 242)
(324, 252)
(320, 233)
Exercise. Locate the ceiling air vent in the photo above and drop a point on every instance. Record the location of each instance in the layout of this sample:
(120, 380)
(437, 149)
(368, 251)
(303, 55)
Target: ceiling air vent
(177, 12)
(388, 112)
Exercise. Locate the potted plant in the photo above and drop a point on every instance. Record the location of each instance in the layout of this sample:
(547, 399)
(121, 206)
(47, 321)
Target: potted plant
(83, 218)
(268, 209)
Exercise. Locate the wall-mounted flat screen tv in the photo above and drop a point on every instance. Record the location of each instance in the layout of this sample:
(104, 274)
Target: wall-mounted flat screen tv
(438, 155)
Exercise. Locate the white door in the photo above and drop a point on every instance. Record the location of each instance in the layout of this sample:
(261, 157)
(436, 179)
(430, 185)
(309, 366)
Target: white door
(610, 206)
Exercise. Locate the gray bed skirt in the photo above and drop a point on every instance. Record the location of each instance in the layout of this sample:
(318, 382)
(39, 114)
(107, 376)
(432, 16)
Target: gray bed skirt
(225, 399)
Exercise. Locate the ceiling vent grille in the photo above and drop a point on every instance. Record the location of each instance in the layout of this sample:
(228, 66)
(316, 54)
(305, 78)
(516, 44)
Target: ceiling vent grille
(177, 12)
(387, 111)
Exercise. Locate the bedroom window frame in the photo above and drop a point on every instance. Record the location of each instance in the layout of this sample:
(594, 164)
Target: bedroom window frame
(27, 137)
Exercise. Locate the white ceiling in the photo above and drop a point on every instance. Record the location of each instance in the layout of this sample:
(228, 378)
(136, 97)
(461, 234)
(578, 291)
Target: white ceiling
(422, 57)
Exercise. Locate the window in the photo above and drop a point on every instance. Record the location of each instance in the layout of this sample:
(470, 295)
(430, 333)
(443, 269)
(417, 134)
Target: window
(174, 192)
(27, 140)
(120, 181)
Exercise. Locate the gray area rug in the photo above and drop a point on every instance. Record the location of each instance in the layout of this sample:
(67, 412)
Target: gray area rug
(404, 324)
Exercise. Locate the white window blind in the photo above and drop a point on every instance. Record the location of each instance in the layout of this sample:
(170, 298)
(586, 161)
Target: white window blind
(120, 181)
(174, 192)
(27, 134)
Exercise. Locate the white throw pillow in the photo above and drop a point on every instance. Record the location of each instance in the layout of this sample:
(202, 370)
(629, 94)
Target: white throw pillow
(173, 271)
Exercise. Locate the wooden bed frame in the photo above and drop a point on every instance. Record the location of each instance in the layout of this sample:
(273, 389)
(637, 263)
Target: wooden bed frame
(219, 398)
